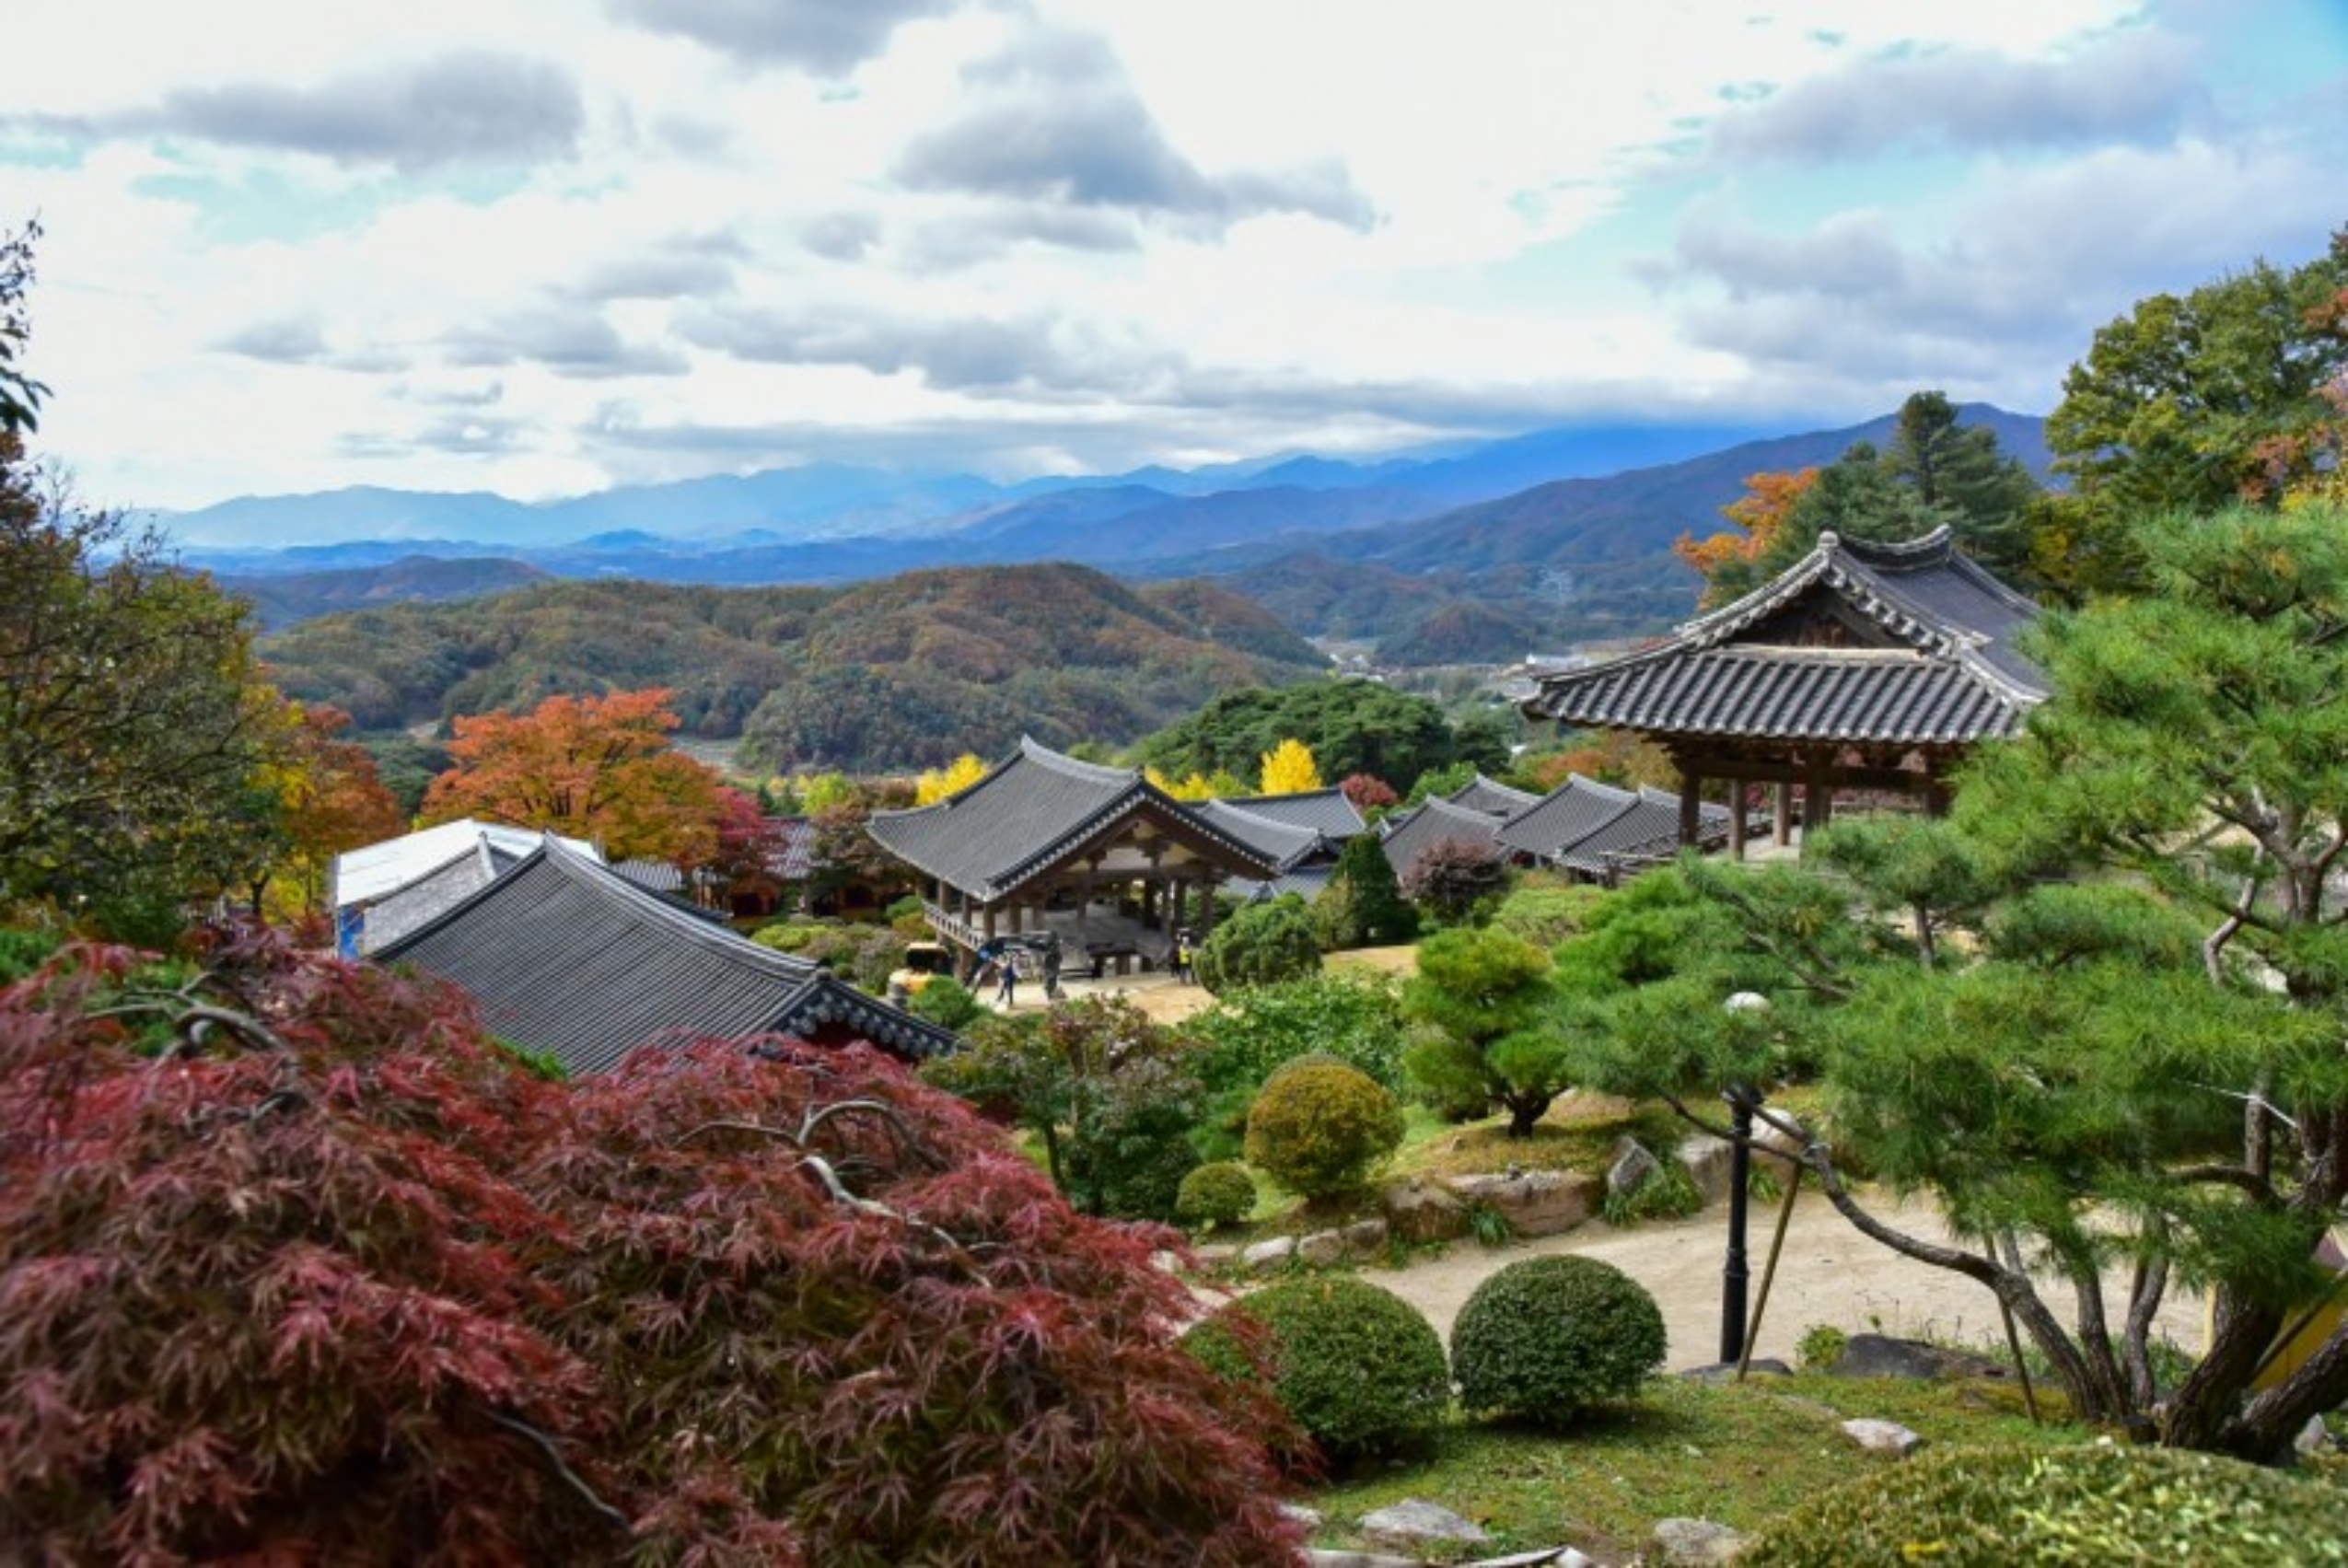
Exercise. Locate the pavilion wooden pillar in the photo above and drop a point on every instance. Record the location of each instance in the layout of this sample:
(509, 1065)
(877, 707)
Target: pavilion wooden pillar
(1817, 800)
(1736, 818)
(1781, 831)
(1691, 785)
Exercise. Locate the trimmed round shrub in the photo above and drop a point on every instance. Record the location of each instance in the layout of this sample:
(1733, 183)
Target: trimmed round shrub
(1355, 1366)
(1319, 1127)
(1218, 1193)
(2010, 1504)
(1546, 1337)
(1260, 944)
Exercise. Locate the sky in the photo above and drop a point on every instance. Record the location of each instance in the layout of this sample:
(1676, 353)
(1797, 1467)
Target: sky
(545, 247)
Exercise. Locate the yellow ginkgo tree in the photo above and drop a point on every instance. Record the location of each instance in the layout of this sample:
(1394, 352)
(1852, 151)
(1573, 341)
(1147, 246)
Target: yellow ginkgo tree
(1289, 769)
(938, 783)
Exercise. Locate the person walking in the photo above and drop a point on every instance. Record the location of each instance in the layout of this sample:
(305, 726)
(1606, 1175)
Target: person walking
(1009, 995)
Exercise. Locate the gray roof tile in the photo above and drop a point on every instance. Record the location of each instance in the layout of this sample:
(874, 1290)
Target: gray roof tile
(563, 956)
(1944, 670)
(1033, 810)
(1411, 834)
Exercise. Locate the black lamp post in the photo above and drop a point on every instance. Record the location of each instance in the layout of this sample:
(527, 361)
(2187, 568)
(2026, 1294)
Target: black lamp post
(1741, 1101)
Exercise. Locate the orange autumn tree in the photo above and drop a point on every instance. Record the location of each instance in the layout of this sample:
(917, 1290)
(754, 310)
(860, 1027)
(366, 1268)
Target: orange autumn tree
(333, 800)
(595, 768)
(1728, 560)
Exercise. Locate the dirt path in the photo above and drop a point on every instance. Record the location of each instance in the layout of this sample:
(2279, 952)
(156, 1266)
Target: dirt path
(1829, 1275)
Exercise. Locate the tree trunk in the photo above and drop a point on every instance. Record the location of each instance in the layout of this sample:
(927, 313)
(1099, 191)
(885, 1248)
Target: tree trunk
(1525, 1111)
(2272, 1421)
(2198, 1414)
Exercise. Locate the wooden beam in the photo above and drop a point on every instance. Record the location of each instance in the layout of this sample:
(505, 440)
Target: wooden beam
(1691, 785)
(1903, 780)
(1781, 830)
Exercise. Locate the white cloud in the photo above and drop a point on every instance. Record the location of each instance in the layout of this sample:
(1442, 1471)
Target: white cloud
(1092, 232)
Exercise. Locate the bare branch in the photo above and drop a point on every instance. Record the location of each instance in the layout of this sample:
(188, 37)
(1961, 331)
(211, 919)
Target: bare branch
(568, 1475)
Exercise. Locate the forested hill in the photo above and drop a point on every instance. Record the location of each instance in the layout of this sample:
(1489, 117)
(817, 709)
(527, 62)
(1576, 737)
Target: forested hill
(286, 598)
(903, 672)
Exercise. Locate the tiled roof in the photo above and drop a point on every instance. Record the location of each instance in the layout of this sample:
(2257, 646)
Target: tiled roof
(1647, 830)
(652, 876)
(1325, 811)
(362, 875)
(424, 899)
(1414, 832)
(1564, 817)
(1034, 810)
(1481, 794)
(794, 857)
(1943, 669)
(1305, 881)
(1282, 843)
(563, 956)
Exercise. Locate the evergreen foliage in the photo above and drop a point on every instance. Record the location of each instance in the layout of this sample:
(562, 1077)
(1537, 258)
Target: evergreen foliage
(2153, 1042)
(135, 728)
(1362, 906)
(1544, 1339)
(1218, 1193)
(1318, 1128)
(1263, 944)
(1488, 1038)
(2077, 1505)
(1354, 1364)
(1111, 1095)
(1350, 727)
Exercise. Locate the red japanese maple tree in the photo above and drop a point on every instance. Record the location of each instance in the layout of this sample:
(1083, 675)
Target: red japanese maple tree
(296, 1265)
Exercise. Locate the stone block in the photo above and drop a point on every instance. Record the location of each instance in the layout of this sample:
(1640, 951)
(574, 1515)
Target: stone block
(1413, 1520)
(1710, 1165)
(1420, 1211)
(1883, 1437)
(1264, 1256)
(1536, 1202)
(1696, 1541)
(1634, 1166)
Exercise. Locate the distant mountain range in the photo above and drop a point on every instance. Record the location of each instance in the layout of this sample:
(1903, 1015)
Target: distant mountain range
(900, 674)
(1477, 554)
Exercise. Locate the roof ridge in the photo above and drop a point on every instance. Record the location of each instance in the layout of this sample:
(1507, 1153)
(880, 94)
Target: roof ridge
(594, 875)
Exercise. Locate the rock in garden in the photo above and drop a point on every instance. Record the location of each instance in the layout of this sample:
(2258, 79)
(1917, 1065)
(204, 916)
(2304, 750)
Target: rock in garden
(1309, 1517)
(1632, 1167)
(1537, 1202)
(1364, 1236)
(1322, 1249)
(1423, 1211)
(1415, 1520)
(1726, 1371)
(1883, 1437)
(1548, 1557)
(1696, 1540)
(1777, 1147)
(1272, 1254)
(1325, 1557)
(1880, 1355)
(1710, 1165)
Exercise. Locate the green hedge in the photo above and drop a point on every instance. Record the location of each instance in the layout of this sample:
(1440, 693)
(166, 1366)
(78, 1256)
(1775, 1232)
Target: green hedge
(1357, 1366)
(1546, 1337)
(2065, 1506)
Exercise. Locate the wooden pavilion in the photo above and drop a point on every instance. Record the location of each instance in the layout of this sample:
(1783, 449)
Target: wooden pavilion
(1864, 666)
(1100, 856)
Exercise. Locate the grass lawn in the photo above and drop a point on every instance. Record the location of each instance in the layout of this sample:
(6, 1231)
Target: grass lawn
(1739, 1455)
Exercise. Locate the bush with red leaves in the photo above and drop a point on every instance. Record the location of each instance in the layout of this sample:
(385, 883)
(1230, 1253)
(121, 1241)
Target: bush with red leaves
(326, 1278)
